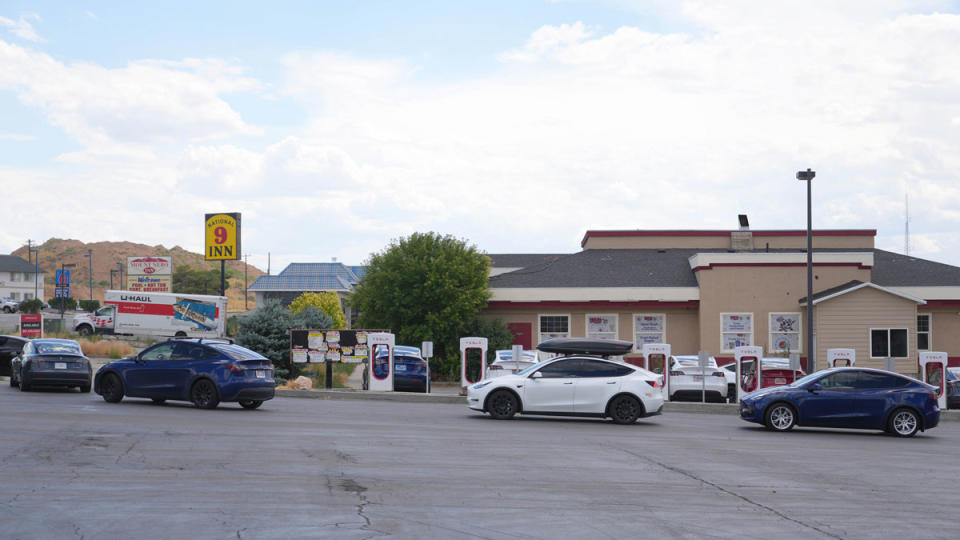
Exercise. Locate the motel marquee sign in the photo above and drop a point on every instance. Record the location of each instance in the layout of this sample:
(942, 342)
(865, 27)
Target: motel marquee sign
(222, 237)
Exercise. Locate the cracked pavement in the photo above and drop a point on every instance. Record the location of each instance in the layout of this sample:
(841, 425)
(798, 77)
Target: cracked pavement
(72, 466)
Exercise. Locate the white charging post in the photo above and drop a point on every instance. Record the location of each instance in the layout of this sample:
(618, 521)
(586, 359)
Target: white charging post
(381, 370)
(841, 357)
(426, 351)
(933, 370)
(466, 344)
(748, 354)
(655, 357)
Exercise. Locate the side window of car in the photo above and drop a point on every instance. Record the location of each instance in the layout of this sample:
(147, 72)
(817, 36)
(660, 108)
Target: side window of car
(188, 351)
(840, 379)
(879, 380)
(561, 369)
(158, 353)
(599, 368)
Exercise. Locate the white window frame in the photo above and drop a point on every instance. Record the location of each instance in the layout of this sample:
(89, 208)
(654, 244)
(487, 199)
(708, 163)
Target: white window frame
(663, 337)
(586, 324)
(799, 332)
(928, 332)
(870, 342)
(753, 326)
(540, 326)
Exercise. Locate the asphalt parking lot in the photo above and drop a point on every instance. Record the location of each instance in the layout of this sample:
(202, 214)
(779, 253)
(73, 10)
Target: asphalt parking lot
(73, 466)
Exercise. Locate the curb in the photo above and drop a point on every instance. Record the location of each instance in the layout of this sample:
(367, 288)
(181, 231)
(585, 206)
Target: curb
(412, 397)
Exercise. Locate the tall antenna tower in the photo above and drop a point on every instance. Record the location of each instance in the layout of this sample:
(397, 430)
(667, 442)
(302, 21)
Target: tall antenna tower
(906, 224)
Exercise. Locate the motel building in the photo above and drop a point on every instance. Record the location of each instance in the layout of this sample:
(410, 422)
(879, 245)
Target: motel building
(716, 289)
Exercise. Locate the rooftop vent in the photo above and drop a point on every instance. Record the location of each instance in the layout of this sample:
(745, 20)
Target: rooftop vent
(742, 240)
(744, 222)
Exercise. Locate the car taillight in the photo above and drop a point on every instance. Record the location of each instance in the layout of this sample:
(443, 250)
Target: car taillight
(655, 384)
(676, 373)
(932, 396)
(235, 368)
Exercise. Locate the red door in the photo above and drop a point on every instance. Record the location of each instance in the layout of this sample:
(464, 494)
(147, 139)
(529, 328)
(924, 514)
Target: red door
(522, 334)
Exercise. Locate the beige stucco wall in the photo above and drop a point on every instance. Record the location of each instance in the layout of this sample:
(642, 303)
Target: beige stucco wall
(845, 322)
(723, 242)
(761, 290)
(682, 331)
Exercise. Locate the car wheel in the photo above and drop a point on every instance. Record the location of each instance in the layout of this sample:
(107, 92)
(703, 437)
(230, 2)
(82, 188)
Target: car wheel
(12, 381)
(7, 310)
(250, 403)
(84, 330)
(502, 405)
(85, 388)
(781, 417)
(624, 410)
(158, 400)
(904, 423)
(180, 334)
(111, 388)
(204, 394)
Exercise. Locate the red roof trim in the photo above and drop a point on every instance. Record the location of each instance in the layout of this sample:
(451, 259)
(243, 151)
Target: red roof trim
(786, 232)
(713, 265)
(943, 303)
(499, 304)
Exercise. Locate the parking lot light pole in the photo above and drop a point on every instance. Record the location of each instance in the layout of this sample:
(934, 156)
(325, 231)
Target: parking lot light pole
(120, 264)
(89, 255)
(112, 272)
(807, 176)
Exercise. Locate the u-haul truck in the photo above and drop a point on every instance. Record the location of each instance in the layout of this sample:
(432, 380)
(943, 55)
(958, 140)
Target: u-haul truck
(156, 314)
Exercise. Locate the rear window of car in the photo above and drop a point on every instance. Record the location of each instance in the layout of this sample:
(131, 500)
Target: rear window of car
(237, 352)
(58, 348)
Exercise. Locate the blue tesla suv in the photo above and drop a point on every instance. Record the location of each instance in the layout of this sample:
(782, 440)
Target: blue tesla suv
(202, 371)
(857, 398)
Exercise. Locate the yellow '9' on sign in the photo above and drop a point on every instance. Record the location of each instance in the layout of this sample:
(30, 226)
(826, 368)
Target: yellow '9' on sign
(222, 237)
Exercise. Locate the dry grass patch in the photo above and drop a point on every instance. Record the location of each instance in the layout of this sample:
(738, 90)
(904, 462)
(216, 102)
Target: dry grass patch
(111, 349)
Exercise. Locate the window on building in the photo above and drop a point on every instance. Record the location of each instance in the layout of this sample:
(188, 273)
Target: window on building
(15, 295)
(736, 330)
(923, 332)
(785, 332)
(888, 342)
(649, 328)
(601, 326)
(554, 326)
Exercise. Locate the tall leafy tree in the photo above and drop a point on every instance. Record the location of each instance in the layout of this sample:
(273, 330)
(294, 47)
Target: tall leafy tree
(426, 287)
(188, 280)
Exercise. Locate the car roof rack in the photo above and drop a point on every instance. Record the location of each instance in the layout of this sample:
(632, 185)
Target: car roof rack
(597, 347)
(200, 339)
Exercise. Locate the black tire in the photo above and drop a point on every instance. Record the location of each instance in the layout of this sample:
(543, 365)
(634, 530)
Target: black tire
(158, 400)
(7, 310)
(85, 388)
(84, 330)
(12, 383)
(903, 423)
(180, 334)
(203, 394)
(502, 405)
(731, 393)
(625, 410)
(111, 388)
(23, 386)
(251, 403)
(780, 417)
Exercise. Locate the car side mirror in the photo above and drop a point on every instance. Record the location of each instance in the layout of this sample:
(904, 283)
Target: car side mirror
(814, 388)
(536, 375)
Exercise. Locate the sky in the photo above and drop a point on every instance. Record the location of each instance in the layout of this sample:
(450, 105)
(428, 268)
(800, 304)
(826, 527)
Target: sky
(335, 128)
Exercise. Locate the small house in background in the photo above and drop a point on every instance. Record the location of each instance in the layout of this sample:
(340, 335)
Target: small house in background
(18, 279)
(299, 278)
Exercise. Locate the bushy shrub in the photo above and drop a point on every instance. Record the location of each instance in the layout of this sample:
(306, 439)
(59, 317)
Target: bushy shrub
(326, 302)
(31, 306)
(266, 331)
(68, 303)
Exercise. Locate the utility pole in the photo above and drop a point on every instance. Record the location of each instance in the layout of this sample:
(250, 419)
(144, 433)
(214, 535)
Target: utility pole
(120, 264)
(245, 281)
(29, 251)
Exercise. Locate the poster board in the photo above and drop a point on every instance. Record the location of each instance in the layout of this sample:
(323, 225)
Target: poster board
(338, 346)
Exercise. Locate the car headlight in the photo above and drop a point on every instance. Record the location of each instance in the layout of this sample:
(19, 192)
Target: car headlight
(481, 385)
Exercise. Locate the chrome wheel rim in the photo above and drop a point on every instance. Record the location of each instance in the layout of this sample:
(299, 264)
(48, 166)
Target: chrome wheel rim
(781, 418)
(905, 423)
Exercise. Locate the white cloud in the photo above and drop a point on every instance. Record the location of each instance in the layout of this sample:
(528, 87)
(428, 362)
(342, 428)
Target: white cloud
(22, 27)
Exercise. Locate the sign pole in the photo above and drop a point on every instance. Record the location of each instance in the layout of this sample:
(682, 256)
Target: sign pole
(223, 276)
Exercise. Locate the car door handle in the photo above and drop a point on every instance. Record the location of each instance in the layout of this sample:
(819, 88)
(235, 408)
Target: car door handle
(611, 382)
(571, 382)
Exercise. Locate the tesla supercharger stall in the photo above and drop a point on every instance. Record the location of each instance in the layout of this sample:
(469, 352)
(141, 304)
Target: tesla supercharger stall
(933, 368)
(841, 357)
(655, 357)
(466, 344)
(381, 369)
(748, 380)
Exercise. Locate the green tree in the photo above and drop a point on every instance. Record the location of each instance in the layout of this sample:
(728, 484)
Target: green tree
(311, 318)
(33, 305)
(187, 280)
(498, 334)
(426, 287)
(266, 331)
(327, 302)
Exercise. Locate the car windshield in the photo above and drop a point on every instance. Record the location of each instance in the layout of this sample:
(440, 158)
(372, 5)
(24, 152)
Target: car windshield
(236, 352)
(529, 369)
(58, 348)
(805, 380)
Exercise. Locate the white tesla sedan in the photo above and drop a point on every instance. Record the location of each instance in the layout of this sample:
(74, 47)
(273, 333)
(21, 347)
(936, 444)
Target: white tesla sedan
(581, 383)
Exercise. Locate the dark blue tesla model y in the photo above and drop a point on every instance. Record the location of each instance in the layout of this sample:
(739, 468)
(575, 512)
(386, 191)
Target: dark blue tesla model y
(857, 398)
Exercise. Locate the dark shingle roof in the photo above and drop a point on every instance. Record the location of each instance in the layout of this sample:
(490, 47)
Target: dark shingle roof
(300, 283)
(832, 290)
(607, 268)
(12, 263)
(522, 260)
(892, 269)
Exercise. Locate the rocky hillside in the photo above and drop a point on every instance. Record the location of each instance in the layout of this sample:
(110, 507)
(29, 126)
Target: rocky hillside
(106, 255)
